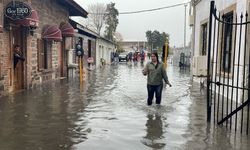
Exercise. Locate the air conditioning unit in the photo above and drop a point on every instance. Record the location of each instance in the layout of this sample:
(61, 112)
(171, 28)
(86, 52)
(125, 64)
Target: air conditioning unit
(200, 66)
(191, 20)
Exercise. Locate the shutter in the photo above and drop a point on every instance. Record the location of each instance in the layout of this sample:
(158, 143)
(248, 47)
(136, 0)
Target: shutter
(40, 55)
(49, 54)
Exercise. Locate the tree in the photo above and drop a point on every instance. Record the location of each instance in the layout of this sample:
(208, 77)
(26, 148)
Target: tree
(164, 38)
(111, 20)
(118, 39)
(156, 39)
(149, 38)
(96, 16)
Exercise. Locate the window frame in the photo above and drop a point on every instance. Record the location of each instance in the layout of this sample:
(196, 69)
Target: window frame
(204, 39)
(203, 52)
(44, 54)
(227, 43)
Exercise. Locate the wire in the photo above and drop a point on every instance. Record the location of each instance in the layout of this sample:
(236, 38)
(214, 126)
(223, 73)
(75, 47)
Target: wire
(155, 9)
(148, 10)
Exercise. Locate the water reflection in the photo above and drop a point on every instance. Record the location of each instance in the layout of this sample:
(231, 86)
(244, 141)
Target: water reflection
(45, 118)
(110, 113)
(154, 132)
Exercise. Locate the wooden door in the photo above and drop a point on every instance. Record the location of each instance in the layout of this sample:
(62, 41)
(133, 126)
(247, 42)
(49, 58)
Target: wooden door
(89, 50)
(18, 75)
(63, 58)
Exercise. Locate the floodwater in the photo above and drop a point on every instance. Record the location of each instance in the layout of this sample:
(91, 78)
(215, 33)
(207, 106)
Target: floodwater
(109, 112)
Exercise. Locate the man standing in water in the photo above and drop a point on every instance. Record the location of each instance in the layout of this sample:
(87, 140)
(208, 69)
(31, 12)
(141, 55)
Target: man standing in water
(155, 73)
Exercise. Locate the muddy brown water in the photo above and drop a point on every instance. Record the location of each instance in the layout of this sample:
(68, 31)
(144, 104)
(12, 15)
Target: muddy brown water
(110, 113)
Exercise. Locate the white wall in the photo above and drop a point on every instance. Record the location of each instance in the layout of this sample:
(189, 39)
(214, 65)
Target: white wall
(103, 50)
(202, 13)
(203, 10)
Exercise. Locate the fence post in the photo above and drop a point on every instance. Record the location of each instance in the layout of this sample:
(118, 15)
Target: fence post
(208, 62)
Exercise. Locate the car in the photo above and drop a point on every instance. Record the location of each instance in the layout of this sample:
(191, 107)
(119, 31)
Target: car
(123, 57)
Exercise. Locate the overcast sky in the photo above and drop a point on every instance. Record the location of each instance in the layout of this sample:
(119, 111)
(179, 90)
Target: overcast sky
(134, 26)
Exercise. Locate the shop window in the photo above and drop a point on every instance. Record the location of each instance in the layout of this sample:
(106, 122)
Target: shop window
(44, 54)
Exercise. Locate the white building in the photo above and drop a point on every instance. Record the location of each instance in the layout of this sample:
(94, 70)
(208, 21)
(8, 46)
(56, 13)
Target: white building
(94, 46)
(104, 48)
(221, 49)
(134, 45)
(199, 20)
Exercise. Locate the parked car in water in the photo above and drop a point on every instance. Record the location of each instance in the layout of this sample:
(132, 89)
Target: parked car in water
(123, 57)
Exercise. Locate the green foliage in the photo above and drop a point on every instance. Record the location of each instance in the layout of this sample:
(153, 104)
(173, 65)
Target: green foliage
(156, 39)
(120, 49)
(111, 20)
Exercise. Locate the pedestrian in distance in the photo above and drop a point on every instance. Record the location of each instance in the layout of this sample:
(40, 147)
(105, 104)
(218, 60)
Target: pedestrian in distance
(142, 55)
(155, 73)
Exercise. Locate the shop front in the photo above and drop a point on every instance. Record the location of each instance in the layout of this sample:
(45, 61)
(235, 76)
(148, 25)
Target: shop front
(41, 31)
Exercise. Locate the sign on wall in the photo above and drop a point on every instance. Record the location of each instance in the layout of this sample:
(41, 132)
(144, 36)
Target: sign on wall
(17, 10)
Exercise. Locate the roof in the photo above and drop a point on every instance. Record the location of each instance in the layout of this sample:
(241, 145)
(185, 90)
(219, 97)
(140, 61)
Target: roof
(83, 30)
(107, 40)
(73, 8)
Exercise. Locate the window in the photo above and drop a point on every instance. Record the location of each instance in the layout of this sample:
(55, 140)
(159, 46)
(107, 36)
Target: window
(40, 54)
(204, 39)
(227, 43)
(44, 54)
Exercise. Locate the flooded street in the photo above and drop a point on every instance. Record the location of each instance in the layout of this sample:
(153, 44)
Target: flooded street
(110, 112)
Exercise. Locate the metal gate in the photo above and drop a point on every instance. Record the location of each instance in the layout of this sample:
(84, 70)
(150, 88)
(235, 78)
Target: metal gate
(228, 70)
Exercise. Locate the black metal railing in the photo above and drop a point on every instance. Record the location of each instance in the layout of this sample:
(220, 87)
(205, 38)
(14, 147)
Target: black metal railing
(228, 70)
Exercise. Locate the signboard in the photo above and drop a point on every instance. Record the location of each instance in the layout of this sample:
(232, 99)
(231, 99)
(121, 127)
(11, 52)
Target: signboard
(90, 60)
(17, 10)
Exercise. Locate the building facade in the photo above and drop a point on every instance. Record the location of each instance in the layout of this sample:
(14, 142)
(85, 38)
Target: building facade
(87, 39)
(104, 49)
(95, 46)
(43, 37)
(226, 41)
(134, 45)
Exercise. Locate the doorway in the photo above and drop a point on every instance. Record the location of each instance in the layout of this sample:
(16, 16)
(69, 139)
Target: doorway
(63, 58)
(89, 50)
(18, 38)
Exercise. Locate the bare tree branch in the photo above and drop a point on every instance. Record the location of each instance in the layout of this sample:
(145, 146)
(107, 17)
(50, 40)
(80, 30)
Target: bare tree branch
(96, 16)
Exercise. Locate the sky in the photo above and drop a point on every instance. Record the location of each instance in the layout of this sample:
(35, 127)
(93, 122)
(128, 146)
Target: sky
(133, 27)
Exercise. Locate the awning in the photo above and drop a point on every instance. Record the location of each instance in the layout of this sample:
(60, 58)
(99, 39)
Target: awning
(67, 30)
(52, 33)
(32, 21)
(1, 29)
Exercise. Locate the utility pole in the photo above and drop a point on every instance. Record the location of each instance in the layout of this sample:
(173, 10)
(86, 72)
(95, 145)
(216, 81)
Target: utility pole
(185, 17)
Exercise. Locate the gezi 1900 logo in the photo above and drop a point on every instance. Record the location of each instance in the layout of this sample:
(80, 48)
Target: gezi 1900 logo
(17, 10)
